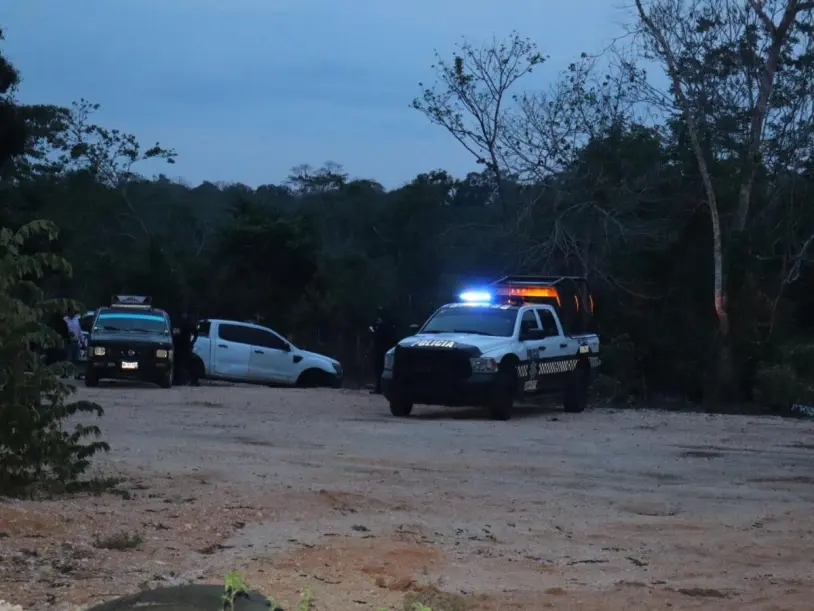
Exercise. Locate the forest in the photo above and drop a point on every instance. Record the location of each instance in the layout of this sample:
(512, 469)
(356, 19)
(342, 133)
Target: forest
(682, 191)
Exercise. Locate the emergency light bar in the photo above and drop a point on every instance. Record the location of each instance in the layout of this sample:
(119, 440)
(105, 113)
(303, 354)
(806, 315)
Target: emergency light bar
(516, 290)
(530, 291)
(475, 296)
(132, 301)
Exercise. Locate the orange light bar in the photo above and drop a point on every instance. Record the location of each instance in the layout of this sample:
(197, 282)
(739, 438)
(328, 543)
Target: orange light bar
(531, 291)
(591, 297)
(576, 302)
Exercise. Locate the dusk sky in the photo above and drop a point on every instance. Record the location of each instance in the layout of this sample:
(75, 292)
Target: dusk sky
(246, 89)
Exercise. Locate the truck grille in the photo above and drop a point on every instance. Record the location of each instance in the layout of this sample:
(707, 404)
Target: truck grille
(425, 368)
(123, 351)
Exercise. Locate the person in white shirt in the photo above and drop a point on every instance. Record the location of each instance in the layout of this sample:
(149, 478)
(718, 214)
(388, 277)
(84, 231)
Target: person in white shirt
(72, 320)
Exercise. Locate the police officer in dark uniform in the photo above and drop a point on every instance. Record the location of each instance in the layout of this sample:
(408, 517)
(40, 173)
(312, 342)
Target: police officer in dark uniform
(384, 338)
(184, 335)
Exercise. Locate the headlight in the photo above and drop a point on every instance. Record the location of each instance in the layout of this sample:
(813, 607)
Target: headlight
(99, 351)
(389, 359)
(161, 353)
(483, 365)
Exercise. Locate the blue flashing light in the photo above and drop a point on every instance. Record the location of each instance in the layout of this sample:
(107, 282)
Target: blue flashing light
(476, 296)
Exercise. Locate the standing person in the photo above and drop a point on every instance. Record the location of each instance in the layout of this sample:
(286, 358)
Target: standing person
(192, 333)
(75, 331)
(184, 335)
(384, 337)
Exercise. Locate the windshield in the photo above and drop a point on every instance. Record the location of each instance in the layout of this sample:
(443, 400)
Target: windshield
(135, 323)
(480, 320)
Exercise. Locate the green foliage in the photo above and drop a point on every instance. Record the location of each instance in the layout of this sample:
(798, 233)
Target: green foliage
(779, 387)
(120, 541)
(233, 587)
(34, 443)
(788, 381)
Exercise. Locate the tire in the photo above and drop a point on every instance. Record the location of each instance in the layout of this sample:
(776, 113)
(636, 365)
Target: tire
(314, 378)
(91, 380)
(576, 392)
(165, 380)
(501, 403)
(400, 408)
(197, 370)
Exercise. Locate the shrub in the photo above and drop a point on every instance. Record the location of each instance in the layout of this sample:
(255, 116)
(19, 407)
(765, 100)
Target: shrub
(780, 386)
(34, 446)
(621, 370)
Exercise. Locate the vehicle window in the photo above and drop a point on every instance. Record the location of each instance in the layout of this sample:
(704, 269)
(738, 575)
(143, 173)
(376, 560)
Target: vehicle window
(481, 320)
(528, 322)
(549, 324)
(131, 323)
(204, 328)
(266, 339)
(235, 333)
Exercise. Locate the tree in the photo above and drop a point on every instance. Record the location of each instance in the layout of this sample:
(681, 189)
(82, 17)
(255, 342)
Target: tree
(13, 132)
(472, 98)
(34, 444)
(721, 58)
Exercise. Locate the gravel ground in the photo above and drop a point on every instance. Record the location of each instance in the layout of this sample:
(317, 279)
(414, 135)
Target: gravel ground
(609, 509)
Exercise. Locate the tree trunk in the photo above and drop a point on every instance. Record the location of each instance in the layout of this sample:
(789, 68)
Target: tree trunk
(724, 373)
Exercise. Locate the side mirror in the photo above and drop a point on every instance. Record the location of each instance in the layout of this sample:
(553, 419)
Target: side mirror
(533, 334)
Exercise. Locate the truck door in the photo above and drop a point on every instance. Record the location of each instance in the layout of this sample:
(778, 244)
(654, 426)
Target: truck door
(202, 348)
(558, 358)
(535, 347)
(270, 359)
(230, 357)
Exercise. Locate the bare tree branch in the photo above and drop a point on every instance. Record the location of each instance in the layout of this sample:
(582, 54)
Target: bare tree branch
(673, 71)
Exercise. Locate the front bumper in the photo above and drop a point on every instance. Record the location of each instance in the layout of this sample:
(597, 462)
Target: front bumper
(113, 369)
(475, 390)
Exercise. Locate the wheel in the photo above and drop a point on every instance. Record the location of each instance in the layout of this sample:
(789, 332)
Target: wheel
(501, 403)
(165, 380)
(314, 378)
(576, 392)
(400, 408)
(197, 371)
(91, 380)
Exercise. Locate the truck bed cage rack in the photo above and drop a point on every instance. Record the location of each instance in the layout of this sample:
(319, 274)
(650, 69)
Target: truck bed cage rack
(536, 280)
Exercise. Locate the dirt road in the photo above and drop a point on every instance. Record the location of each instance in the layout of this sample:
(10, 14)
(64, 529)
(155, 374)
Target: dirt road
(603, 510)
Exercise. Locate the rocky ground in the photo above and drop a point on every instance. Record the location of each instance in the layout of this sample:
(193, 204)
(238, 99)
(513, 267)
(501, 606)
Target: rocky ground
(323, 490)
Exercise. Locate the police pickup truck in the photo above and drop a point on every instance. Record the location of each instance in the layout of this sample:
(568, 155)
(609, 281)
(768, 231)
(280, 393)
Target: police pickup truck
(520, 336)
(130, 340)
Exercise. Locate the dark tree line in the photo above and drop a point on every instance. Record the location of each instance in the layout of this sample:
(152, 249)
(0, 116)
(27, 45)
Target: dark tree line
(685, 197)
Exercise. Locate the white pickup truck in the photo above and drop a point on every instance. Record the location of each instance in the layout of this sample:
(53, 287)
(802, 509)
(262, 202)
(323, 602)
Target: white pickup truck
(245, 352)
(496, 346)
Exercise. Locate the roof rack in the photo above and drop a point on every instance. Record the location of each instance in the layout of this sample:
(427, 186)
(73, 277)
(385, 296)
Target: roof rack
(131, 301)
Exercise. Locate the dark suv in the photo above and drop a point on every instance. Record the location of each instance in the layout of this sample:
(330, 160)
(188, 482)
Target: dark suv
(130, 340)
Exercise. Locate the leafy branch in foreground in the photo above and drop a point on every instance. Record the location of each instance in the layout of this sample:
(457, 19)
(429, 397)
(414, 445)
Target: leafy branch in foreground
(234, 587)
(34, 444)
